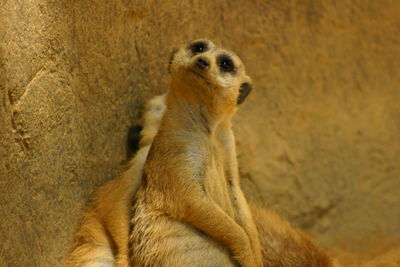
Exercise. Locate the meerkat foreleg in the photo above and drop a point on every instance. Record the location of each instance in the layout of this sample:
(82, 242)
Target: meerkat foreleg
(201, 212)
(245, 220)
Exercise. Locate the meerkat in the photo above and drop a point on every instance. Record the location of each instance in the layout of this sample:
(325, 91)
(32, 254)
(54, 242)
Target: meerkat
(190, 209)
(281, 244)
(102, 239)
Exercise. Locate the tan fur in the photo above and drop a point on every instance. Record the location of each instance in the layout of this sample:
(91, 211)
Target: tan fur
(190, 210)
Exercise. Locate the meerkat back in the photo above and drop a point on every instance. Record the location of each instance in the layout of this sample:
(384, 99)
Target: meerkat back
(102, 236)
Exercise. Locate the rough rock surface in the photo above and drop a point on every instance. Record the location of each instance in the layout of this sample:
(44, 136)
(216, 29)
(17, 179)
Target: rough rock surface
(319, 139)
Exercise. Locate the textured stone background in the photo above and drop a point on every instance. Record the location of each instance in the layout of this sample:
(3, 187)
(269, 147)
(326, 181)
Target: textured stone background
(319, 139)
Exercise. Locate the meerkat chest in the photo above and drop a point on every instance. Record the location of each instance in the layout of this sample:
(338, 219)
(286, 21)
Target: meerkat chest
(211, 165)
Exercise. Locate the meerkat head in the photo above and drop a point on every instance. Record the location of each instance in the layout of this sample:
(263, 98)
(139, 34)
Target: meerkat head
(210, 73)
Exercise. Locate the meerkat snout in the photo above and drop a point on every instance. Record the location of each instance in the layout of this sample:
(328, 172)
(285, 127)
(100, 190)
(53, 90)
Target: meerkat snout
(202, 63)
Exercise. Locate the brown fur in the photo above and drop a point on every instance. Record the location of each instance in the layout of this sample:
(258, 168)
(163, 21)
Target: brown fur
(190, 210)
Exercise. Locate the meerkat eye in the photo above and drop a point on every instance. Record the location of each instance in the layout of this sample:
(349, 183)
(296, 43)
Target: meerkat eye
(225, 64)
(198, 47)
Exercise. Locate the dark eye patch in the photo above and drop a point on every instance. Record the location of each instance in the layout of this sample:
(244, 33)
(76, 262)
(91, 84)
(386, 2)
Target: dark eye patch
(198, 47)
(226, 64)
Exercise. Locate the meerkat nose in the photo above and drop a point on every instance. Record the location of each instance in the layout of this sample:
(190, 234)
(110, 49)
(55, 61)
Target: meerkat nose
(202, 63)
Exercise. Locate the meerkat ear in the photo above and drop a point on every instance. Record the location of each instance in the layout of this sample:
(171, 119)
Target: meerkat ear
(244, 91)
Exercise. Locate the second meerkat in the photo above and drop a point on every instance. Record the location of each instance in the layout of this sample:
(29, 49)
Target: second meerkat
(190, 209)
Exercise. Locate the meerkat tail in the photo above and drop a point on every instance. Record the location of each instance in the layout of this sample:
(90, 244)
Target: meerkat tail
(284, 246)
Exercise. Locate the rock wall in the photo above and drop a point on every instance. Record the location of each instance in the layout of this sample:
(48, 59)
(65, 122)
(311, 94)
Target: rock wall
(319, 138)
